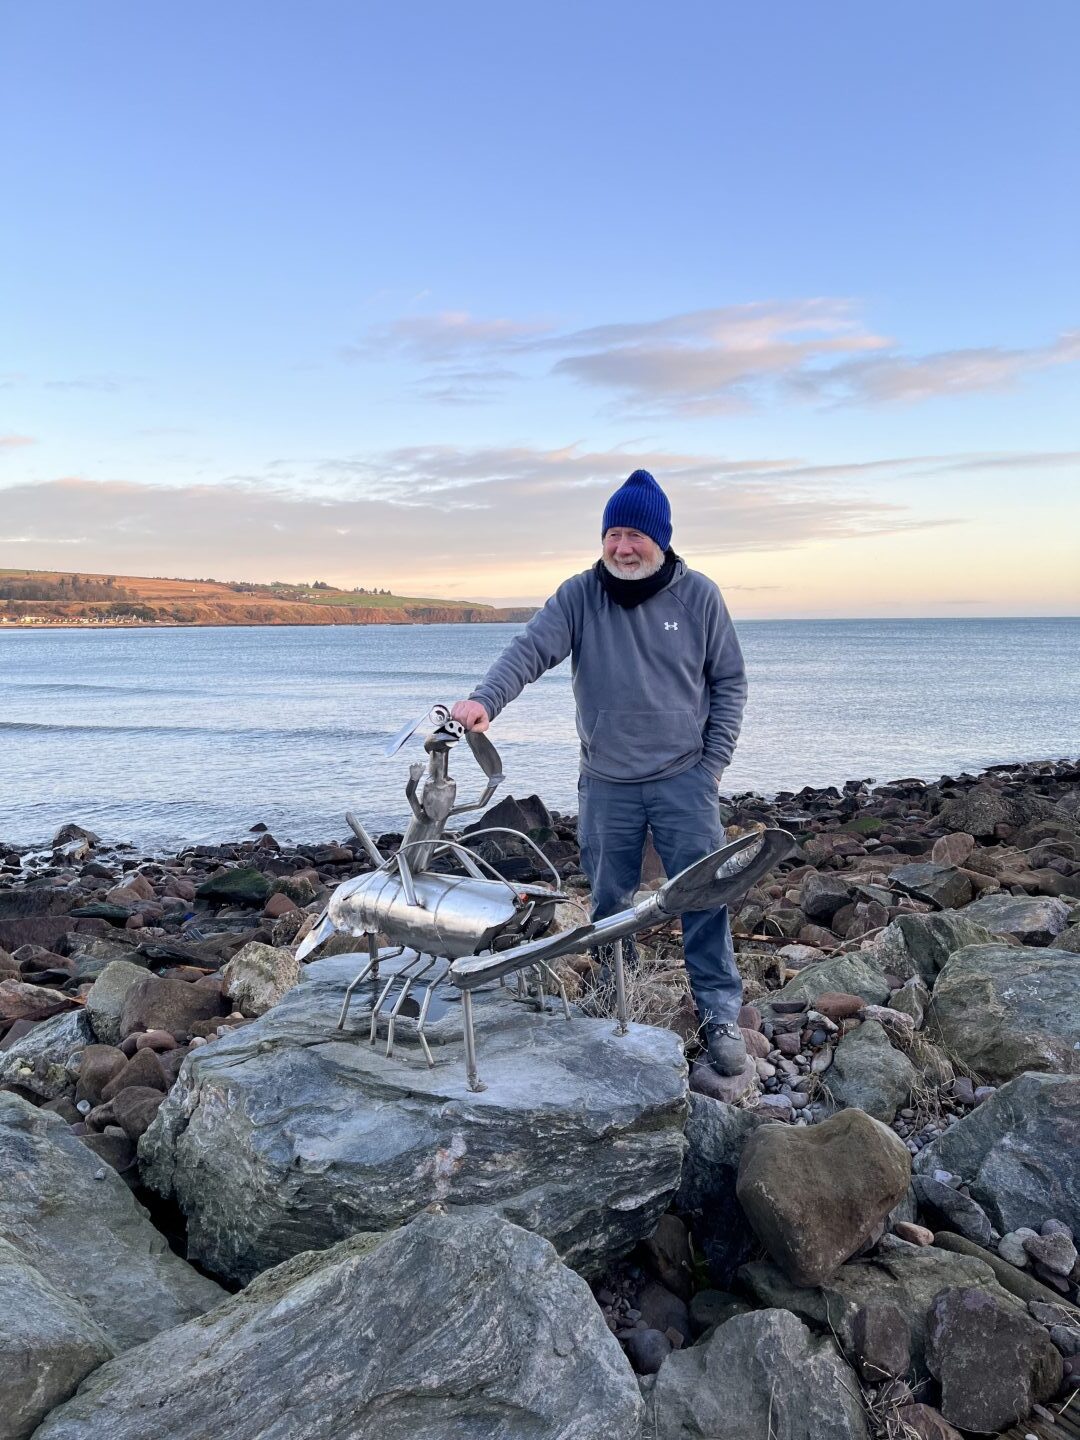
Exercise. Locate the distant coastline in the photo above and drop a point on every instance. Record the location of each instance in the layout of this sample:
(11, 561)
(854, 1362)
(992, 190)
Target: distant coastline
(35, 599)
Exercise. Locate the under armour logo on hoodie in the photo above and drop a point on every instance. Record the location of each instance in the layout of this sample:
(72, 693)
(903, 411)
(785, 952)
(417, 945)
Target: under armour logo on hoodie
(671, 624)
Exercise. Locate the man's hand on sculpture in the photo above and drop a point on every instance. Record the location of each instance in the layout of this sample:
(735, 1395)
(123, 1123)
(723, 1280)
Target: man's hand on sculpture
(471, 714)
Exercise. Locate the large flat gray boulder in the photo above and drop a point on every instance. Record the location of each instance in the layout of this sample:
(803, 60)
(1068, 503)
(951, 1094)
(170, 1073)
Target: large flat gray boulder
(455, 1325)
(854, 974)
(868, 1074)
(289, 1135)
(921, 944)
(76, 1222)
(762, 1374)
(895, 1273)
(1003, 1010)
(48, 1345)
(38, 1063)
(1033, 919)
(1019, 1152)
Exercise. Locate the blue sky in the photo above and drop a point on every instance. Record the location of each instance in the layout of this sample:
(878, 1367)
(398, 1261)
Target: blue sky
(396, 295)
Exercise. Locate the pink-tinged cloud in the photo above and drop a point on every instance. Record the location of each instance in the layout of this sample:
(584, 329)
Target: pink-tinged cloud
(15, 442)
(703, 362)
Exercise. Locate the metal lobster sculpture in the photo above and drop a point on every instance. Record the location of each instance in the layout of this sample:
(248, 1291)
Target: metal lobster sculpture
(472, 929)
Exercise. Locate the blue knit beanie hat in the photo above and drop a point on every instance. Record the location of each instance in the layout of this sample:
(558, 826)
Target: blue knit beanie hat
(640, 504)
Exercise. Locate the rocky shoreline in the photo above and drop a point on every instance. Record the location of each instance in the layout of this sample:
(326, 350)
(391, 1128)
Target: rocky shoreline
(870, 1232)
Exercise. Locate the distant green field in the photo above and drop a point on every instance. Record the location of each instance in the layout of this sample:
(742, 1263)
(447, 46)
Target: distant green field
(374, 602)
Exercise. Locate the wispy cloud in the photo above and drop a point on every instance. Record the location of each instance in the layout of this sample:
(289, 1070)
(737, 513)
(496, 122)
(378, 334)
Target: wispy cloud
(700, 362)
(892, 377)
(15, 442)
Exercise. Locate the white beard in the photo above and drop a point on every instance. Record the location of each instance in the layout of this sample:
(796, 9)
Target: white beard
(641, 572)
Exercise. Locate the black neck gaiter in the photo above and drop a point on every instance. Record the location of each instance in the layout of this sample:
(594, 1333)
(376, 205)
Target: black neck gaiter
(629, 593)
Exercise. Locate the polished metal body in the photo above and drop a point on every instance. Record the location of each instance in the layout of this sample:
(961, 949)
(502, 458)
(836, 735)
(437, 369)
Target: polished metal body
(474, 929)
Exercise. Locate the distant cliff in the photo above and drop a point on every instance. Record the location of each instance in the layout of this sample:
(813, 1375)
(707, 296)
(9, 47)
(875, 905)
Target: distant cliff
(50, 598)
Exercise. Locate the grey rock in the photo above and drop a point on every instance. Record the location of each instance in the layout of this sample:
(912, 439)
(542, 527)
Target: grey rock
(921, 944)
(1003, 1011)
(647, 1350)
(1056, 1251)
(1019, 1152)
(288, 1135)
(716, 1133)
(105, 1001)
(822, 896)
(1033, 919)
(1011, 1247)
(869, 1074)
(757, 1375)
(38, 1063)
(959, 1211)
(710, 1308)
(980, 810)
(896, 1273)
(76, 1222)
(992, 1360)
(882, 1339)
(1021, 1283)
(259, 975)
(1068, 939)
(854, 974)
(455, 1325)
(666, 1254)
(816, 1196)
(48, 1345)
(912, 999)
(942, 886)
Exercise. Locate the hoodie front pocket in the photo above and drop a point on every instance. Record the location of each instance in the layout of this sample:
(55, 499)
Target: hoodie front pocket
(629, 744)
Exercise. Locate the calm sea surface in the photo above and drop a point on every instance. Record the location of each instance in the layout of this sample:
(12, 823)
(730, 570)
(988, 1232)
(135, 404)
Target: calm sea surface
(161, 737)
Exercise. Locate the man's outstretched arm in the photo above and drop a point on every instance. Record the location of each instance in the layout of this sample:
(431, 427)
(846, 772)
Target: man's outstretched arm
(546, 641)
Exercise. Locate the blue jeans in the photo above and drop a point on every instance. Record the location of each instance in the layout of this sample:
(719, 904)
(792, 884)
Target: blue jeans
(683, 813)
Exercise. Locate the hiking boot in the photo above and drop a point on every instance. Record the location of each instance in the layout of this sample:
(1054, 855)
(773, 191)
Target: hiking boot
(727, 1049)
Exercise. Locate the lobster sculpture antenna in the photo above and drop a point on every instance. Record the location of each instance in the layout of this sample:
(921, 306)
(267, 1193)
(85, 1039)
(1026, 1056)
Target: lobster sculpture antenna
(472, 929)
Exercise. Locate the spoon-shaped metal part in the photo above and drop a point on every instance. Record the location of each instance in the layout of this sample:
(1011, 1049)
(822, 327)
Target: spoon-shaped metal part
(437, 715)
(487, 757)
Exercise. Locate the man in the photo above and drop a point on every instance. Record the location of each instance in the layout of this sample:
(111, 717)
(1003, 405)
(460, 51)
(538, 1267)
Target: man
(660, 688)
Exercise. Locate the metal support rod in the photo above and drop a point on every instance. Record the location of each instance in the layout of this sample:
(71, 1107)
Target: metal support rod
(620, 989)
(364, 838)
(471, 1072)
(422, 1021)
(405, 988)
(373, 951)
(349, 993)
(377, 1007)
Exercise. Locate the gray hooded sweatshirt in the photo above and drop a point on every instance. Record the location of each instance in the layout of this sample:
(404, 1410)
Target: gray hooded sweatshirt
(659, 687)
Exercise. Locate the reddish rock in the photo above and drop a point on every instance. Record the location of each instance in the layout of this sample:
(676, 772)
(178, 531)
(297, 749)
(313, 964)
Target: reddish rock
(837, 1006)
(143, 1069)
(278, 905)
(750, 1017)
(135, 1109)
(923, 1422)
(160, 1003)
(952, 849)
(19, 1001)
(912, 1233)
(789, 1045)
(154, 1040)
(757, 1046)
(99, 1065)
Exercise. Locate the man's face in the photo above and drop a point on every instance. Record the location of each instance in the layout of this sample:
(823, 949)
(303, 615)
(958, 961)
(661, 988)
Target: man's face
(631, 555)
